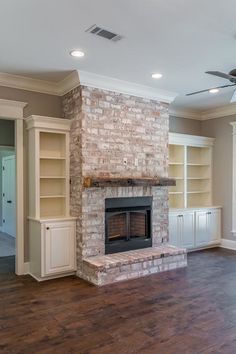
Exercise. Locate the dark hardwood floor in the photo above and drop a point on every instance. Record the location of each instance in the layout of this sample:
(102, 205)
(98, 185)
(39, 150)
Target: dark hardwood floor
(190, 310)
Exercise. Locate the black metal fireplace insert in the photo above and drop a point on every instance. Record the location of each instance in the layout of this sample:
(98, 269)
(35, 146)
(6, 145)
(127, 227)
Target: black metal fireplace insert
(127, 224)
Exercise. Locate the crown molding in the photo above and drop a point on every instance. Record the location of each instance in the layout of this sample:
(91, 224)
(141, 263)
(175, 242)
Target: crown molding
(69, 83)
(12, 109)
(28, 84)
(125, 87)
(184, 113)
(88, 79)
(47, 87)
(219, 112)
(223, 111)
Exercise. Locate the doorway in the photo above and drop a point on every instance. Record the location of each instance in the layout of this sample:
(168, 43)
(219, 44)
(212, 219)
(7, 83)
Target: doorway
(7, 194)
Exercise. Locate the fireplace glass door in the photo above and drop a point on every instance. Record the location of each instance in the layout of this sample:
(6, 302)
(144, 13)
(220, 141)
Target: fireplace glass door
(128, 227)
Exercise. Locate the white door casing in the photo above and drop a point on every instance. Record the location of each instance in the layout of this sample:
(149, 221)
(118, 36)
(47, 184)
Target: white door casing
(13, 110)
(9, 195)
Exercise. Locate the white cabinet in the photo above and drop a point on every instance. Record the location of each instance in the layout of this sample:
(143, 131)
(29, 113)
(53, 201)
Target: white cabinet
(181, 229)
(52, 248)
(59, 245)
(195, 228)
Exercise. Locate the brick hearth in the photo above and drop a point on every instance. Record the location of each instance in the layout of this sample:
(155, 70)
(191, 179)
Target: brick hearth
(102, 270)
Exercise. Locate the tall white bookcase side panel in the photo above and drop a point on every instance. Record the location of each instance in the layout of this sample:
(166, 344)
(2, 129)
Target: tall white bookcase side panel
(190, 163)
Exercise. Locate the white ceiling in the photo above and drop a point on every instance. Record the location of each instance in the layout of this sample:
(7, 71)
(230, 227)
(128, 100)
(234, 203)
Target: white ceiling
(181, 39)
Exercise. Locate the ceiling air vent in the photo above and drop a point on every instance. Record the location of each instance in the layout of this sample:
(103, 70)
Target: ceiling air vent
(102, 32)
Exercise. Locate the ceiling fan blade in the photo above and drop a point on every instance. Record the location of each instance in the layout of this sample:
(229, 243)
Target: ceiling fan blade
(223, 75)
(207, 90)
(233, 98)
(196, 92)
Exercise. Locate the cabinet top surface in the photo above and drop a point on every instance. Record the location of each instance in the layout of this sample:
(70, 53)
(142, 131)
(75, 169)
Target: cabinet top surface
(47, 220)
(173, 210)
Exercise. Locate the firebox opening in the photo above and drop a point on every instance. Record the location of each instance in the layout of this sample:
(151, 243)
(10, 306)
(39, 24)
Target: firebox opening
(127, 224)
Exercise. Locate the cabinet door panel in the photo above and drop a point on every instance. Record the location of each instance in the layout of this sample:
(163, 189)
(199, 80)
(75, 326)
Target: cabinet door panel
(187, 230)
(59, 249)
(174, 230)
(202, 229)
(214, 224)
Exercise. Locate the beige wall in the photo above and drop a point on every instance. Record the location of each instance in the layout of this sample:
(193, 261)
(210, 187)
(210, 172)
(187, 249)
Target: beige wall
(222, 167)
(184, 126)
(39, 104)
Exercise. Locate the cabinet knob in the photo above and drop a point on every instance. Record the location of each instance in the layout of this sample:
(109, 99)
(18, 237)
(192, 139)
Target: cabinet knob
(47, 228)
(180, 216)
(209, 213)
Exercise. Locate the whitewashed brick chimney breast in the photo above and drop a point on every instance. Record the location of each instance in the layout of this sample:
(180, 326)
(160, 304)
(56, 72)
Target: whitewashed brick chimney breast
(108, 128)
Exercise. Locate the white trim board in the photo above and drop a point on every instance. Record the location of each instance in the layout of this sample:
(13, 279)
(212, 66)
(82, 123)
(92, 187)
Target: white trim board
(26, 268)
(12, 109)
(229, 244)
(191, 140)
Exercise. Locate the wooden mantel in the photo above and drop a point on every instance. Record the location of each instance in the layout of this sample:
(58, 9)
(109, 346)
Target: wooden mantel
(95, 182)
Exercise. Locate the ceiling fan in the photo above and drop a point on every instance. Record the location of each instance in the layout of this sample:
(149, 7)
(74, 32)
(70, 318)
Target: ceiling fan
(231, 76)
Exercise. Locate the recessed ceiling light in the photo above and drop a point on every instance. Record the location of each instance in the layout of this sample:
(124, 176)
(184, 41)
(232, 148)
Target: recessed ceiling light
(214, 90)
(77, 53)
(156, 76)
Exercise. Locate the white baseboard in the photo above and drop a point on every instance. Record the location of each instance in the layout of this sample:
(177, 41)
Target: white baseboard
(39, 279)
(229, 244)
(26, 268)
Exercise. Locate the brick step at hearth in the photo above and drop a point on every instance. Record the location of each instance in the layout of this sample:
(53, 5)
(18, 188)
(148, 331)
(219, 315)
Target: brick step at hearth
(107, 269)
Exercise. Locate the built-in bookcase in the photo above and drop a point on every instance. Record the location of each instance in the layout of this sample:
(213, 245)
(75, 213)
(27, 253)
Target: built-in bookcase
(53, 175)
(190, 163)
(49, 167)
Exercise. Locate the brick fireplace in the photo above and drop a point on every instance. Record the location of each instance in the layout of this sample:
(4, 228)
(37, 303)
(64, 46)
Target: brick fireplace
(114, 135)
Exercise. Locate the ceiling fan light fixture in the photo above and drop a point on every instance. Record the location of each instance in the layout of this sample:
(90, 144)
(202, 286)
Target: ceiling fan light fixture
(214, 90)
